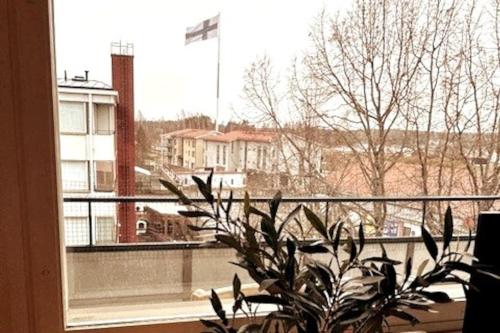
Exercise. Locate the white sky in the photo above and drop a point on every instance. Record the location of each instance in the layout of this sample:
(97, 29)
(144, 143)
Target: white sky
(169, 76)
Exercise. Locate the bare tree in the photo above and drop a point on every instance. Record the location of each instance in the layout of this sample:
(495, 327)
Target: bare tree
(297, 131)
(479, 119)
(390, 77)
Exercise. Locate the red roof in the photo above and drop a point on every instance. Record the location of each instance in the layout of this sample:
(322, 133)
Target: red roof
(253, 136)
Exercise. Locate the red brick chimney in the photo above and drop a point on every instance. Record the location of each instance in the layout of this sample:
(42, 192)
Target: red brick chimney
(122, 67)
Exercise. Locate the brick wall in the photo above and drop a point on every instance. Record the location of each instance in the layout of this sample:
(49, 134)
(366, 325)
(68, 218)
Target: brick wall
(123, 82)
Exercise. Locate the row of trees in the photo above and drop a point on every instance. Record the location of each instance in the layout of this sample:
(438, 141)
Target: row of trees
(427, 70)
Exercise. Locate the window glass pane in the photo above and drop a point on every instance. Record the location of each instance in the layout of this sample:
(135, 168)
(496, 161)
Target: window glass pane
(72, 117)
(104, 180)
(75, 176)
(103, 119)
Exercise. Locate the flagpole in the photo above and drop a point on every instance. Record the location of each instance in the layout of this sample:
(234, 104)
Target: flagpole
(218, 74)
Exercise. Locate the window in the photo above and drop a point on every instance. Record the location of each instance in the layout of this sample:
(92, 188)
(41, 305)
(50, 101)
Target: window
(141, 227)
(75, 176)
(218, 157)
(72, 117)
(224, 155)
(104, 119)
(104, 176)
(264, 158)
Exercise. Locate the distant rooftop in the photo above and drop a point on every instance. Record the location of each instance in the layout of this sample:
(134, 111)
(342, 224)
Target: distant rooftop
(82, 83)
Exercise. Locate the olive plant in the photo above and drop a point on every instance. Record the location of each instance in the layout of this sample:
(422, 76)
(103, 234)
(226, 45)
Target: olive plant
(345, 292)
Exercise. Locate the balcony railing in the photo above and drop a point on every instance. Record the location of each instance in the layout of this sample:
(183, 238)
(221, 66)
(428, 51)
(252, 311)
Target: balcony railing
(402, 215)
(171, 275)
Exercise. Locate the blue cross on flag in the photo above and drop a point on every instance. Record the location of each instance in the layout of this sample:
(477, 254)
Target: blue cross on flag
(204, 30)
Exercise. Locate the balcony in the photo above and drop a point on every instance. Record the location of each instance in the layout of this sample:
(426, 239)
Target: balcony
(168, 273)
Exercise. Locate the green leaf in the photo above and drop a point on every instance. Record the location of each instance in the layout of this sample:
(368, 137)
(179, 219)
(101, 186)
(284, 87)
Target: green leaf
(197, 228)
(217, 306)
(290, 262)
(274, 204)
(229, 204)
(193, 213)
(266, 299)
(350, 248)
(361, 236)
(430, 244)
(448, 228)
(408, 267)
(229, 241)
(436, 296)
(204, 189)
(313, 249)
(288, 218)
(316, 222)
(172, 188)
(421, 267)
(381, 260)
(209, 180)
(369, 279)
(236, 286)
(246, 205)
(267, 283)
(338, 232)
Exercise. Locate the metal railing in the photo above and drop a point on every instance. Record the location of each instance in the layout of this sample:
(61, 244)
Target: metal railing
(409, 208)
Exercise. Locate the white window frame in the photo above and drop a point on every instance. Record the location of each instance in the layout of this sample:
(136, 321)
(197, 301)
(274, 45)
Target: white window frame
(87, 174)
(111, 119)
(85, 130)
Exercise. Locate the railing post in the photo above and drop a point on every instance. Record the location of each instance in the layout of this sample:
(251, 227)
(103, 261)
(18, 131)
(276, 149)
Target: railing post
(90, 223)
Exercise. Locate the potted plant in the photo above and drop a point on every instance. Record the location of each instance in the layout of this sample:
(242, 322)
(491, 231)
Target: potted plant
(347, 292)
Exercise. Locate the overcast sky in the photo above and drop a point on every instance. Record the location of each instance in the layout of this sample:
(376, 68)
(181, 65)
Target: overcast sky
(169, 76)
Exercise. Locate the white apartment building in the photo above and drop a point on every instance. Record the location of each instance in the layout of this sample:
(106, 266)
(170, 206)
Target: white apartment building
(88, 157)
(238, 151)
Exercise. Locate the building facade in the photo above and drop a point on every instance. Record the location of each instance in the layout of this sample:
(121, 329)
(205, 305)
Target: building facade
(87, 112)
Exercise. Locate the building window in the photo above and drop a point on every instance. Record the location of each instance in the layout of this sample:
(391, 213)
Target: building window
(141, 227)
(224, 155)
(258, 157)
(264, 158)
(104, 176)
(104, 119)
(72, 117)
(218, 154)
(105, 230)
(75, 176)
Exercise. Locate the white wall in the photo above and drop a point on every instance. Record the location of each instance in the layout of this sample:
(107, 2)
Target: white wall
(74, 147)
(103, 147)
(211, 154)
(229, 179)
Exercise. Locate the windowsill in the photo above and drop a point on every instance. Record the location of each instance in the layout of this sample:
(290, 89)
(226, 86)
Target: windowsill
(449, 318)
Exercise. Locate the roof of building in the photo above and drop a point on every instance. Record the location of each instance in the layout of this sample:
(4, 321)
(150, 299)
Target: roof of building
(85, 84)
(178, 132)
(194, 134)
(253, 136)
(210, 135)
